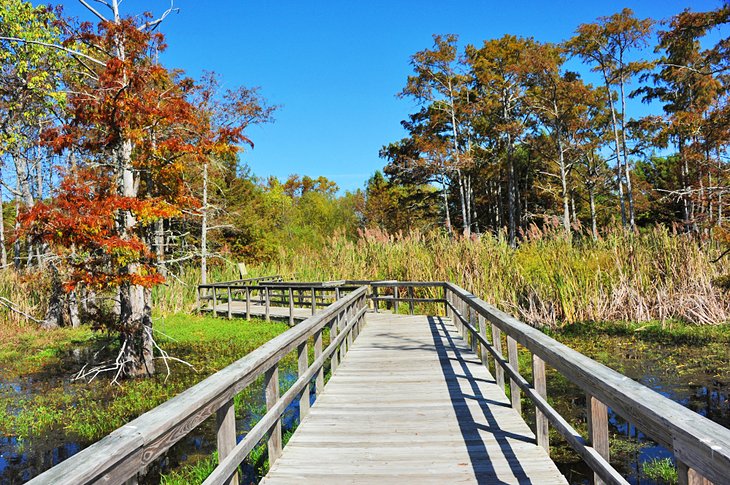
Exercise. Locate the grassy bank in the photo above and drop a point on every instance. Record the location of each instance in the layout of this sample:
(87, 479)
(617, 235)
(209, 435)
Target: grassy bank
(38, 397)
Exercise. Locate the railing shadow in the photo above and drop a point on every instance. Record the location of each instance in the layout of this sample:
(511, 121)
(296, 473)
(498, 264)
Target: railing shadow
(471, 426)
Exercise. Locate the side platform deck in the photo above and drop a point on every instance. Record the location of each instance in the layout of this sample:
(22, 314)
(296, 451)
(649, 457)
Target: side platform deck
(411, 403)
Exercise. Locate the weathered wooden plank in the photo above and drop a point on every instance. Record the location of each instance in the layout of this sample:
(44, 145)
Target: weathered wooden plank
(539, 382)
(226, 434)
(462, 425)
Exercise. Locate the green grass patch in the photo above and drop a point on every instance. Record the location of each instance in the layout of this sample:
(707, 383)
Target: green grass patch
(662, 471)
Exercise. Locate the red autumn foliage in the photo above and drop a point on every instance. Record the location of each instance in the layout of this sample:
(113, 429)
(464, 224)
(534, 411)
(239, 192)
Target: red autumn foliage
(80, 224)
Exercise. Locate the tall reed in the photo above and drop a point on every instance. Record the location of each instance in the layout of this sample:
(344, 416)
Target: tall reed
(548, 279)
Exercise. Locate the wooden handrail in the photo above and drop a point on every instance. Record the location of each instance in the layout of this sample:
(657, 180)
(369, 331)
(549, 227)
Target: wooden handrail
(700, 445)
(129, 449)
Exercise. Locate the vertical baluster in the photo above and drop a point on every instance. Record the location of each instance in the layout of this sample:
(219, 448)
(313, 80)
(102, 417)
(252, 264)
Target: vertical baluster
(272, 396)
(303, 365)
(514, 390)
(598, 429)
(266, 303)
(497, 343)
(319, 382)
(395, 299)
(248, 303)
(483, 332)
(215, 302)
(472, 335)
(411, 300)
(291, 307)
(333, 334)
(376, 302)
(226, 434)
(539, 382)
(314, 301)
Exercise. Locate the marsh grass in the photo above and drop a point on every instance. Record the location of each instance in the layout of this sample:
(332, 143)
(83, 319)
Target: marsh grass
(662, 471)
(547, 280)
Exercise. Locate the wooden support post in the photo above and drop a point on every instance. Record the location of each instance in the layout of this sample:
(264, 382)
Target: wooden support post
(272, 396)
(226, 424)
(215, 302)
(248, 303)
(376, 302)
(333, 334)
(473, 323)
(197, 300)
(291, 307)
(539, 382)
(598, 429)
(483, 332)
(497, 343)
(395, 299)
(337, 293)
(514, 390)
(411, 302)
(689, 476)
(314, 300)
(303, 365)
(266, 303)
(319, 382)
(230, 313)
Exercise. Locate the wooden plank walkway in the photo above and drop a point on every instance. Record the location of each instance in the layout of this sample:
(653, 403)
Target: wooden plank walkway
(411, 403)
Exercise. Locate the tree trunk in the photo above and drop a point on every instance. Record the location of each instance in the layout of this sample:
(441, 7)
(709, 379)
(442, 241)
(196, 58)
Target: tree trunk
(617, 148)
(462, 200)
(511, 201)
(204, 230)
(3, 250)
(445, 195)
(160, 246)
(136, 331)
(592, 198)
(564, 188)
(624, 151)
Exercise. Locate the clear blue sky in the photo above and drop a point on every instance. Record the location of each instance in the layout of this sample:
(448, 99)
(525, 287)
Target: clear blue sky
(335, 66)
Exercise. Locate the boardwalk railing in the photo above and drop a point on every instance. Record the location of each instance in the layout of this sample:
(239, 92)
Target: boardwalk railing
(127, 451)
(273, 293)
(700, 446)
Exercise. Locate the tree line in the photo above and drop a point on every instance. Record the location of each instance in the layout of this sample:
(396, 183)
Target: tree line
(508, 134)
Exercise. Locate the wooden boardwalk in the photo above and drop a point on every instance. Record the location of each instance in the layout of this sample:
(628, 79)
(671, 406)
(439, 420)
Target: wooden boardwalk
(238, 310)
(411, 403)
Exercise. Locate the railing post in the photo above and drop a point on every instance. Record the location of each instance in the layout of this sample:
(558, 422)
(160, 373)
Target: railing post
(303, 365)
(539, 382)
(598, 429)
(376, 302)
(395, 299)
(248, 303)
(515, 392)
(197, 300)
(266, 303)
(319, 382)
(497, 343)
(291, 307)
(447, 309)
(226, 434)
(337, 293)
(472, 335)
(411, 303)
(689, 476)
(484, 353)
(272, 396)
(215, 301)
(314, 300)
(333, 335)
(230, 314)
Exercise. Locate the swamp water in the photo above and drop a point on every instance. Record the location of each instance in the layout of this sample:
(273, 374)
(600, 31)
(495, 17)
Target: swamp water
(697, 376)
